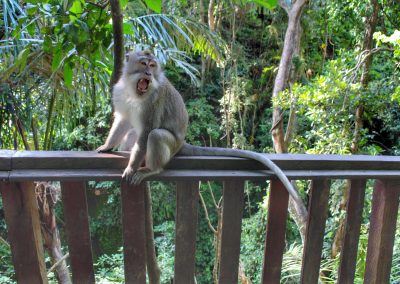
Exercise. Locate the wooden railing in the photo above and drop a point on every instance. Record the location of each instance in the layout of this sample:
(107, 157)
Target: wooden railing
(18, 170)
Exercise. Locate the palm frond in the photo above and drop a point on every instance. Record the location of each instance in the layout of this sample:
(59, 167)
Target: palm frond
(173, 38)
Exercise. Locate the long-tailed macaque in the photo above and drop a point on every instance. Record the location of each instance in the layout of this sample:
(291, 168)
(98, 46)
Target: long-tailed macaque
(149, 113)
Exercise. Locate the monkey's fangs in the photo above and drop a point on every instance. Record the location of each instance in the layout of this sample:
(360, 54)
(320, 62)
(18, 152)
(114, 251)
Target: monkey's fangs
(142, 85)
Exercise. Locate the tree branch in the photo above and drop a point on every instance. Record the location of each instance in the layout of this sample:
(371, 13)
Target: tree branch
(351, 75)
(206, 213)
(4, 242)
(58, 262)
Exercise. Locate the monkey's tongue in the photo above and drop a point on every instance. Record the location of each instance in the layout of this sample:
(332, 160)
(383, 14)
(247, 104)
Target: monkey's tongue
(142, 85)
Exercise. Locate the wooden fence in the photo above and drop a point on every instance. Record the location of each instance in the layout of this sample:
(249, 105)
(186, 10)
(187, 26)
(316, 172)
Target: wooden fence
(18, 170)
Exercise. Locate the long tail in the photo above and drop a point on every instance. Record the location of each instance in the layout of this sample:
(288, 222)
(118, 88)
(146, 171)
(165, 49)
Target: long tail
(190, 150)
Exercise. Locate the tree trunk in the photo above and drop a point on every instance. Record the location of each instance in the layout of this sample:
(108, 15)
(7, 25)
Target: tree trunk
(118, 33)
(370, 27)
(46, 197)
(290, 48)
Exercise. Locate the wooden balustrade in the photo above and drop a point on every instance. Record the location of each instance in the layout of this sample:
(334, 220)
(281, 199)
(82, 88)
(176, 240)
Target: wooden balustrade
(18, 170)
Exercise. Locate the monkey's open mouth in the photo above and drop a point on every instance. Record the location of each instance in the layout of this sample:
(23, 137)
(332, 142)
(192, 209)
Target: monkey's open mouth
(143, 85)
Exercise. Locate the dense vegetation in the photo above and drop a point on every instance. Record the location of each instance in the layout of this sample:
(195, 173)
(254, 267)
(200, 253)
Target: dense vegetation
(341, 96)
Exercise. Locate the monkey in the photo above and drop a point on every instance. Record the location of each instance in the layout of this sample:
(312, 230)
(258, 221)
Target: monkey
(150, 114)
(146, 101)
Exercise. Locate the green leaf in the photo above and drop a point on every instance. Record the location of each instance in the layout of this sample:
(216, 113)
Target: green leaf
(47, 44)
(57, 55)
(154, 5)
(22, 58)
(31, 9)
(76, 9)
(123, 4)
(68, 74)
(31, 29)
(269, 4)
(128, 29)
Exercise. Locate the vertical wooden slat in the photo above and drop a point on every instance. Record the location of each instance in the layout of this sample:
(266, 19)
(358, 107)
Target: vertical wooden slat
(276, 227)
(133, 226)
(23, 227)
(232, 213)
(385, 203)
(317, 214)
(348, 257)
(77, 230)
(187, 198)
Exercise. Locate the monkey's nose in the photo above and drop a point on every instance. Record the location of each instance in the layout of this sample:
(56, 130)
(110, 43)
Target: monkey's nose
(147, 73)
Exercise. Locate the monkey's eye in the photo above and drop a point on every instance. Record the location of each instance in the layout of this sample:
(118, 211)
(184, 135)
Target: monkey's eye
(143, 63)
(152, 65)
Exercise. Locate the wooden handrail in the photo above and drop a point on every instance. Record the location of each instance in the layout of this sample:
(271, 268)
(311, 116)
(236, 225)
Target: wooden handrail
(18, 170)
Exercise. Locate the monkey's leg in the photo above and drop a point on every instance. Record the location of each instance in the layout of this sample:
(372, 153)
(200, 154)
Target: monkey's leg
(161, 146)
(118, 130)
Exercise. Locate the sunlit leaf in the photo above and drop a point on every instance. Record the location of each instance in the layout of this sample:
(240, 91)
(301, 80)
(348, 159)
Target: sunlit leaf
(75, 10)
(68, 74)
(269, 4)
(154, 5)
(128, 29)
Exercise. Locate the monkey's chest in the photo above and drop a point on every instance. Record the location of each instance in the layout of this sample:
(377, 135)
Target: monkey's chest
(133, 112)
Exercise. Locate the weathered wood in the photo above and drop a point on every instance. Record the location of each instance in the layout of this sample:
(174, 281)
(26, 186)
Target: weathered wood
(232, 213)
(24, 235)
(77, 231)
(66, 175)
(133, 226)
(118, 160)
(4, 176)
(187, 198)
(385, 204)
(67, 160)
(188, 175)
(348, 257)
(276, 227)
(317, 214)
(5, 159)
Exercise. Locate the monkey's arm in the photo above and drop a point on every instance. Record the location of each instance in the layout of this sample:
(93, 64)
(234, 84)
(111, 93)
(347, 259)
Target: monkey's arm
(138, 153)
(190, 150)
(118, 130)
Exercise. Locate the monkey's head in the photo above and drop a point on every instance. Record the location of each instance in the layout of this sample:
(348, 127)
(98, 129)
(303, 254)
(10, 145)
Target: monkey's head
(142, 72)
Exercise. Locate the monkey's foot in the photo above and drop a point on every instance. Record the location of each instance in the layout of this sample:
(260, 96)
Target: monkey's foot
(136, 177)
(141, 174)
(103, 149)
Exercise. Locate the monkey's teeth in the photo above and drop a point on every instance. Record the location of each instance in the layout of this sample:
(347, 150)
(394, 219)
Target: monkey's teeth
(142, 85)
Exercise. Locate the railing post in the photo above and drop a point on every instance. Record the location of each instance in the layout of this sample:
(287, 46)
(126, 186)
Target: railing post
(23, 226)
(133, 226)
(385, 203)
(77, 231)
(317, 214)
(348, 257)
(276, 227)
(187, 199)
(232, 213)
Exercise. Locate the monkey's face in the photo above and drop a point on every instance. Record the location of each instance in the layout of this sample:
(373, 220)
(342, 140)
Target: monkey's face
(142, 71)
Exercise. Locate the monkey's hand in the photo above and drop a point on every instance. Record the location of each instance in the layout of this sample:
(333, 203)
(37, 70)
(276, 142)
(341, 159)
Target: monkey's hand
(128, 174)
(103, 149)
